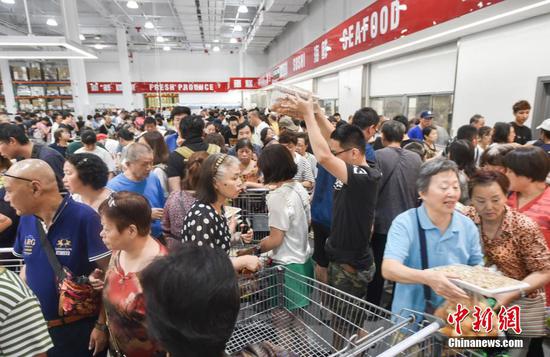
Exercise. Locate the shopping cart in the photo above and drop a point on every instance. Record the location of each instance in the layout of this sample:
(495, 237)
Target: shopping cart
(253, 207)
(10, 261)
(309, 318)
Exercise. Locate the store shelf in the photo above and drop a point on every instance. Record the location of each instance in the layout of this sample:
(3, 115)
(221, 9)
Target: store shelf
(43, 82)
(43, 97)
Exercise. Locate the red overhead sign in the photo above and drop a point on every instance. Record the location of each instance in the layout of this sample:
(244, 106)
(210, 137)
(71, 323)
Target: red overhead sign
(380, 23)
(162, 87)
(243, 83)
(104, 87)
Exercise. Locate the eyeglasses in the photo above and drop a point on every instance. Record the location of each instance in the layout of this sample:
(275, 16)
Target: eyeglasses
(336, 153)
(17, 177)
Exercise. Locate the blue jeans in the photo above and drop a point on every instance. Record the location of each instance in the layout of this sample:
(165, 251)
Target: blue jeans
(73, 339)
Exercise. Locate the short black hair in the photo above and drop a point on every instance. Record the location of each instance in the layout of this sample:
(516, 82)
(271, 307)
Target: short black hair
(232, 118)
(88, 137)
(403, 120)
(192, 300)
(276, 164)
(466, 132)
(416, 147)
(149, 120)
(545, 133)
(501, 131)
(14, 131)
(365, 117)
(57, 134)
(304, 136)
(528, 161)
(288, 137)
(126, 134)
(91, 169)
(67, 115)
(475, 119)
(244, 125)
(179, 111)
(192, 127)
(427, 130)
(350, 136)
(462, 152)
(393, 131)
(244, 143)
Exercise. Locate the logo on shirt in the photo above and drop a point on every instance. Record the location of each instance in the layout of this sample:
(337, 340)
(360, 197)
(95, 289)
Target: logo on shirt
(30, 242)
(338, 185)
(63, 247)
(359, 170)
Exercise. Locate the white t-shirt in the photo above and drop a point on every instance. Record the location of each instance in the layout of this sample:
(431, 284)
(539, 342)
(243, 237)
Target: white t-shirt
(256, 136)
(289, 211)
(103, 154)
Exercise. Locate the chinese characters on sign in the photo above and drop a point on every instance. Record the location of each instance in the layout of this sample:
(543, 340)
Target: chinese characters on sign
(104, 87)
(243, 83)
(508, 318)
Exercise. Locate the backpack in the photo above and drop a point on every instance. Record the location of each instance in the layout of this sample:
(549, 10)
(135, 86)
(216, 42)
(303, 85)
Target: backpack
(187, 152)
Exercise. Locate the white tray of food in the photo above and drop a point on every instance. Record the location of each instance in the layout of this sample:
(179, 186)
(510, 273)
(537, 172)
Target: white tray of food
(230, 211)
(482, 280)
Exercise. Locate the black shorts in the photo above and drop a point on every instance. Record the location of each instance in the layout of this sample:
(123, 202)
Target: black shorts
(320, 235)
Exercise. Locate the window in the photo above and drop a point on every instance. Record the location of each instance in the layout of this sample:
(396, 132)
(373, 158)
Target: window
(412, 105)
(330, 106)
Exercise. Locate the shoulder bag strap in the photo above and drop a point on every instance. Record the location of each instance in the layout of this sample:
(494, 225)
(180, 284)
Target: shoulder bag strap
(390, 174)
(423, 255)
(48, 249)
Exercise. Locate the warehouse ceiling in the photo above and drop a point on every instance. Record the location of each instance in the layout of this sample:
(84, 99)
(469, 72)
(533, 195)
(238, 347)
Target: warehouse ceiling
(191, 25)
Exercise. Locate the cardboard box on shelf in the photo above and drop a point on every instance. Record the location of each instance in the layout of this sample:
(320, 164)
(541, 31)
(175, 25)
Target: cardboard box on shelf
(19, 73)
(63, 73)
(65, 90)
(37, 91)
(52, 90)
(23, 90)
(50, 72)
(35, 71)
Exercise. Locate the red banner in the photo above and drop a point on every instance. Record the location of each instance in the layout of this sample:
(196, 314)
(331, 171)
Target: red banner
(243, 83)
(380, 23)
(104, 87)
(163, 87)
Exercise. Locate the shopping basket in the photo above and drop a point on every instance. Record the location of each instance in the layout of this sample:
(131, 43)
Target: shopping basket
(10, 261)
(309, 318)
(252, 203)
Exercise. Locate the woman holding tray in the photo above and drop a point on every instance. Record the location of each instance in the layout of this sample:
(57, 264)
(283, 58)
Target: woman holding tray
(513, 243)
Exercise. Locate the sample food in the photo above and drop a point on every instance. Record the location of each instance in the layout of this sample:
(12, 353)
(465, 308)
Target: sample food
(479, 276)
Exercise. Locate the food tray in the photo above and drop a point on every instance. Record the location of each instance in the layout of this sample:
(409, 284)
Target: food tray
(471, 276)
(230, 211)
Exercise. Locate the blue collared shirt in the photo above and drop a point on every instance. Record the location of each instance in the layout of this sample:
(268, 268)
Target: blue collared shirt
(171, 141)
(458, 245)
(416, 133)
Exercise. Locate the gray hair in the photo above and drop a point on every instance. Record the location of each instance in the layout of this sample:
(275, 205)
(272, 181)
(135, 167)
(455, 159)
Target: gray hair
(432, 168)
(136, 151)
(228, 161)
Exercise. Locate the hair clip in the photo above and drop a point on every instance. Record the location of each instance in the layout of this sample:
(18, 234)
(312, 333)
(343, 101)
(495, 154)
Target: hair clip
(111, 202)
(219, 162)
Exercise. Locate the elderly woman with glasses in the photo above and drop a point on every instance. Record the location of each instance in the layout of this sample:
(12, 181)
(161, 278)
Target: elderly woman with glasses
(205, 223)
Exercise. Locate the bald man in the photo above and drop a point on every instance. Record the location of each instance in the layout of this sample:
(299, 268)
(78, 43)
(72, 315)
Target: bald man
(71, 231)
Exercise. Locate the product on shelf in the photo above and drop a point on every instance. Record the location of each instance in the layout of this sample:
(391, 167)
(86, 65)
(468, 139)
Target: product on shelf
(39, 104)
(68, 104)
(63, 72)
(20, 73)
(25, 104)
(35, 71)
(37, 91)
(54, 104)
(52, 90)
(50, 72)
(65, 90)
(23, 90)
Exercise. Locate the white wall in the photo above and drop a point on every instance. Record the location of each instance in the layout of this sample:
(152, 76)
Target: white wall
(498, 68)
(428, 71)
(349, 90)
(173, 67)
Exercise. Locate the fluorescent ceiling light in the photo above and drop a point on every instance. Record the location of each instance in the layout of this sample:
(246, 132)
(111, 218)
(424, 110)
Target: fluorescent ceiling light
(51, 22)
(238, 28)
(97, 37)
(160, 39)
(9, 2)
(243, 9)
(132, 5)
(149, 25)
(216, 41)
(216, 49)
(167, 48)
(81, 37)
(68, 49)
(233, 40)
(99, 46)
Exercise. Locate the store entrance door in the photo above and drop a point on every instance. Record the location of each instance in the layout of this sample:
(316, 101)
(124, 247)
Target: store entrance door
(541, 108)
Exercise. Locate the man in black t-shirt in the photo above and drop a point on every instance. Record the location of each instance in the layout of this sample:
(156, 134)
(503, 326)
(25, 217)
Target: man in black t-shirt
(521, 112)
(341, 151)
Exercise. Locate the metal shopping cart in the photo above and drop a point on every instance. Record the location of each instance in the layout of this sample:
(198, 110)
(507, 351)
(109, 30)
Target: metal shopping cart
(253, 207)
(10, 261)
(309, 318)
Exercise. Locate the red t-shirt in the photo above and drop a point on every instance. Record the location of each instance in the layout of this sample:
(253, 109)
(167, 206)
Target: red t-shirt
(538, 210)
(125, 307)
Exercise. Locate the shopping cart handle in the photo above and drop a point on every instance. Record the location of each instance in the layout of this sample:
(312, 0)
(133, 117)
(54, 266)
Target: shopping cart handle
(414, 339)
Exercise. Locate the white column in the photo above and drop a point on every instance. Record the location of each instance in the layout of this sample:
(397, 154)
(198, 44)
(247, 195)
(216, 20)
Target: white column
(9, 97)
(76, 66)
(124, 62)
(241, 72)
